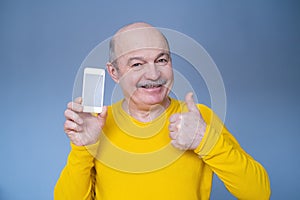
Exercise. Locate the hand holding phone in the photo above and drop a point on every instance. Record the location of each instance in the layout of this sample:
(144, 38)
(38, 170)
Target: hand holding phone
(93, 90)
(83, 128)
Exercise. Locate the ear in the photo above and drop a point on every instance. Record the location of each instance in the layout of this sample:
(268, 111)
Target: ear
(113, 72)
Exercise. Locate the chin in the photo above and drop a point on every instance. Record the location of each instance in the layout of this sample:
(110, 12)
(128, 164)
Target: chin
(153, 99)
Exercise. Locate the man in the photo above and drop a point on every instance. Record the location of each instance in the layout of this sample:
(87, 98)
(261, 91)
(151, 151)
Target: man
(150, 146)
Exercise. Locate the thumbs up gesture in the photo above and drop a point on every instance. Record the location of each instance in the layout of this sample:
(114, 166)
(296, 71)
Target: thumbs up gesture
(187, 129)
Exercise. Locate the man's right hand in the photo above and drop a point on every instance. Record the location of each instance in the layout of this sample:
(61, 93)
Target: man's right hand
(83, 128)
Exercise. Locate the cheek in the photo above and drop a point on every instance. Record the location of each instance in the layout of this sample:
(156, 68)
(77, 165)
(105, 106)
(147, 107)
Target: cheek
(168, 73)
(128, 82)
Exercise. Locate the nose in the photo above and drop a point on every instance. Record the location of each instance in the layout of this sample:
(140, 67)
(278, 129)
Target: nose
(152, 72)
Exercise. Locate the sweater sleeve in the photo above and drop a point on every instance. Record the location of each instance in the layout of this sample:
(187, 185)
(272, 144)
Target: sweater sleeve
(75, 181)
(243, 176)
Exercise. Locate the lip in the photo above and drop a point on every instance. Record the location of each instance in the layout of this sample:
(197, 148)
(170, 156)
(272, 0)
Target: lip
(152, 89)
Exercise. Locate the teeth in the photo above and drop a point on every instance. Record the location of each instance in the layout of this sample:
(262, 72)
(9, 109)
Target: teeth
(156, 84)
(151, 86)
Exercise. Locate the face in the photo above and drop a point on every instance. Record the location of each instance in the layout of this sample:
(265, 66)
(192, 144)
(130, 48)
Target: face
(145, 76)
(144, 68)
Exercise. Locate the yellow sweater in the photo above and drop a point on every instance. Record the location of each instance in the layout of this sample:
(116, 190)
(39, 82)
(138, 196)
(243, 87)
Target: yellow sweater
(135, 161)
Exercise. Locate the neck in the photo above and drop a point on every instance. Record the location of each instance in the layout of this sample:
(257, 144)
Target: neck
(145, 113)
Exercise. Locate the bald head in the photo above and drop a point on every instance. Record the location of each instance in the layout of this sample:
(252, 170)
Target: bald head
(133, 26)
(134, 37)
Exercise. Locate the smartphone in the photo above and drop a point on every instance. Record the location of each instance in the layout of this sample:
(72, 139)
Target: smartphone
(93, 90)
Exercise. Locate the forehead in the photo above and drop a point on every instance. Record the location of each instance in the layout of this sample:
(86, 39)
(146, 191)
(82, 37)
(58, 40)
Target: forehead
(140, 40)
(144, 54)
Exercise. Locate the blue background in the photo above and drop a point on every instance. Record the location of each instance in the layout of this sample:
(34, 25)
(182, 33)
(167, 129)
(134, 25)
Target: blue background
(255, 44)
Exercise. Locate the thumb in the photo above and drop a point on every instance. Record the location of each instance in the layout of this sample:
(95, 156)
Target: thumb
(103, 114)
(190, 103)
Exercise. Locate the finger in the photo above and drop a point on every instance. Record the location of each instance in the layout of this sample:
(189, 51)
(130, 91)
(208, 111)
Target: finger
(190, 102)
(174, 144)
(177, 146)
(178, 126)
(70, 133)
(72, 126)
(75, 106)
(174, 118)
(71, 115)
(78, 100)
(173, 135)
(172, 127)
(75, 138)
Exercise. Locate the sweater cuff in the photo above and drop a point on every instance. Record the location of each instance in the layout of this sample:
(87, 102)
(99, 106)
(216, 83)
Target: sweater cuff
(211, 136)
(91, 149)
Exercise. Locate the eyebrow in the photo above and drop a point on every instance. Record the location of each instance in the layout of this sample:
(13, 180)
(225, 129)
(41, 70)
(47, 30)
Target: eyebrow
(142, 58)
(163, 54)
(135, 58)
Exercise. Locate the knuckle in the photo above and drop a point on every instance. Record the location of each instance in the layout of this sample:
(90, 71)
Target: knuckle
(79, 108)
(173, 135)
(77, 119)
(67, 124)
(74, 126)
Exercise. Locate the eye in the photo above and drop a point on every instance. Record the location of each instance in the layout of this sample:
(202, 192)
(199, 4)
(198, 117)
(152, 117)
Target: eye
(162, 61)
(136, 64)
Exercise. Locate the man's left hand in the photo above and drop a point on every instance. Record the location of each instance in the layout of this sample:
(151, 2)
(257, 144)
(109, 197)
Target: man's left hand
(187, 129)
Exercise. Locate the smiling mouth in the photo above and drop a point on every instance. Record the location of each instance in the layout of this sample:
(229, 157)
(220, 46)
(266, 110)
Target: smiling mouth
(149, 85)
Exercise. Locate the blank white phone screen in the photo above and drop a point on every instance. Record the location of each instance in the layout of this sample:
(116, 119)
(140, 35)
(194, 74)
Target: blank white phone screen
(93, 90)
